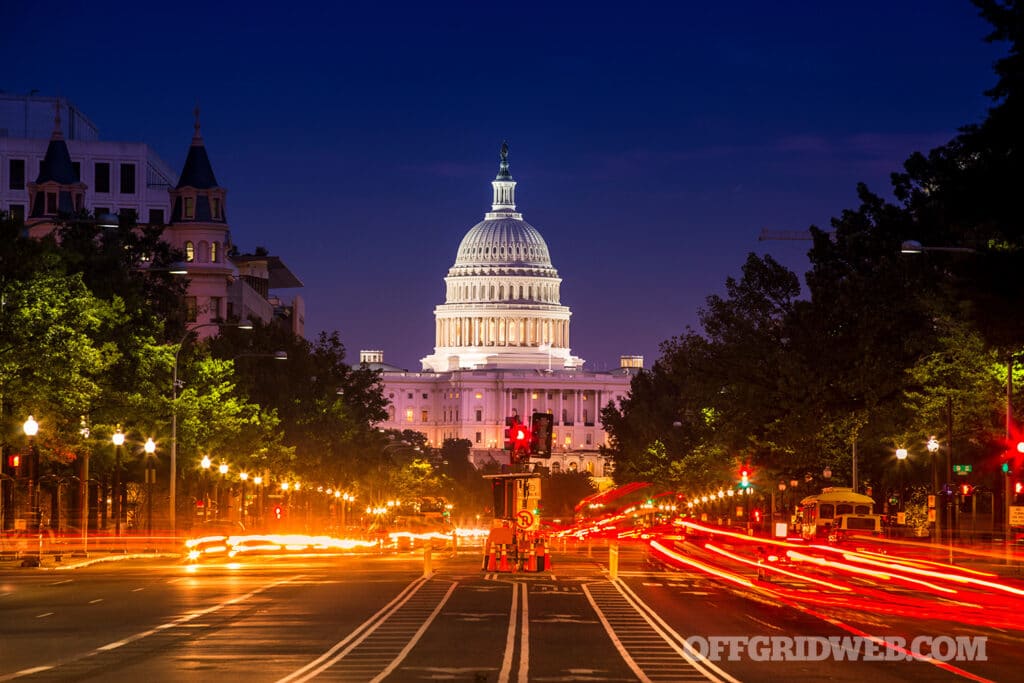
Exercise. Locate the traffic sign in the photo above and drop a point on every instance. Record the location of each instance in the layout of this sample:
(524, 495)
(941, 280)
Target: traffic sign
(1017, 515)
(525, 519)
(962, 469)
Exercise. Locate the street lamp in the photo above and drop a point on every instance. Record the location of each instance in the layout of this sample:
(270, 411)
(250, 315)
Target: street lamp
(205, 464)
(244, 325)
(244, 476)
(150, 449)
(933, 450)
(31, 428)
(223, 469)
(118, 440)
(901, 455)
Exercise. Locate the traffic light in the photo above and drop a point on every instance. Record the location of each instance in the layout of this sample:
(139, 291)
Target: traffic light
(965, 489)
(510, 423)
(1018, 488)
(540, 434)
(520, 442)
(744, 479)
(278, 512)
(14, 462)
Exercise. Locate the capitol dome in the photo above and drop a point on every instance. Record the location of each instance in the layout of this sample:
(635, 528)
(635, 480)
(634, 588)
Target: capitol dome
(506, 242)
(502, 307)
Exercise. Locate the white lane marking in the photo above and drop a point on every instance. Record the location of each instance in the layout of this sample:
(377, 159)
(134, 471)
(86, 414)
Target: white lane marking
(93, 602)
(44, 614)
(143, 634)
(57, 583)
(416, 637)
(524, 640)
(695, 658)
(136, 590)
(510, 637)
(357, 636)
(630, 662)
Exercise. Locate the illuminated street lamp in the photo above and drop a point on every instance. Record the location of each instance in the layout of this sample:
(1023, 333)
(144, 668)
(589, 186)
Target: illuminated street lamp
(205, 463)
(933, 450)
(901, 455)
(31, 428)
(223, 469)
(244, 476)
(150, 449)
(118, 440)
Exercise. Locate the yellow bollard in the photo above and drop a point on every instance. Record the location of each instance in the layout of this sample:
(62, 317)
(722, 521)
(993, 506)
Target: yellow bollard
(427, 571)
(613, 560)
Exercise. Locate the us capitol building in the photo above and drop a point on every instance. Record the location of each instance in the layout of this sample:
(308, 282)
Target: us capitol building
(502, 348)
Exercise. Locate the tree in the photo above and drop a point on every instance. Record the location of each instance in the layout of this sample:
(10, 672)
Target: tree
(327, 409)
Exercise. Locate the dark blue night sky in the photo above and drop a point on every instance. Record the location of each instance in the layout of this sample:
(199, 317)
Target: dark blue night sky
(651, 141)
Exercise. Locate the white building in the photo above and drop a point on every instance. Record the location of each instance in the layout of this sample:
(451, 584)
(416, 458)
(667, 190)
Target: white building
(73, 171)
(116, 176)
(502, 349)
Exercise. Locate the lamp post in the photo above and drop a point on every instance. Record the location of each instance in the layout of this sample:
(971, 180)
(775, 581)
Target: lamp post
(205, 464)
(257, 482)
(244, 476)
(223, 469)
(84, 488)
(31, 428)
(933, 451)
(172, 488)
(901, 455)
(150, 449)
(118, 440)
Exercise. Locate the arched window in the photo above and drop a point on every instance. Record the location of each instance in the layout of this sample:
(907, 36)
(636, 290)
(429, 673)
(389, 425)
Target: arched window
(573, 467)
(214, 253)
(190, 251)
(556, 467)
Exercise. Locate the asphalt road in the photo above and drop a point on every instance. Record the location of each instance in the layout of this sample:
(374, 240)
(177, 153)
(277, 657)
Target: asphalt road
(377, 618)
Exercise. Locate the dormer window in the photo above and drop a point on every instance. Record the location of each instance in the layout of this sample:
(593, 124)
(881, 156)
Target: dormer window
(189, 207)
(190, 252)
(51, 202)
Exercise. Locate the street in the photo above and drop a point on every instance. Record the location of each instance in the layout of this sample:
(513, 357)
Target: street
(376, 617)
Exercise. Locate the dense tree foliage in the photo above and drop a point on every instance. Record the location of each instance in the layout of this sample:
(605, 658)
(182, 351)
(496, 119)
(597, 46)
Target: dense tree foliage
(883, 350)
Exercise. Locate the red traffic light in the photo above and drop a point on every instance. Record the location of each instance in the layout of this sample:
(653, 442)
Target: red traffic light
(1018, 488)
(965, 489)
(14, 461)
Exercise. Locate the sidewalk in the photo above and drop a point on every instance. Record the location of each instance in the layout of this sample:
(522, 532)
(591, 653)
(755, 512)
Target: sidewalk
(28, 552)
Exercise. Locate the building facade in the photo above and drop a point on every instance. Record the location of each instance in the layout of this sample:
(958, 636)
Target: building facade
(70, 170)
(502, 349)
